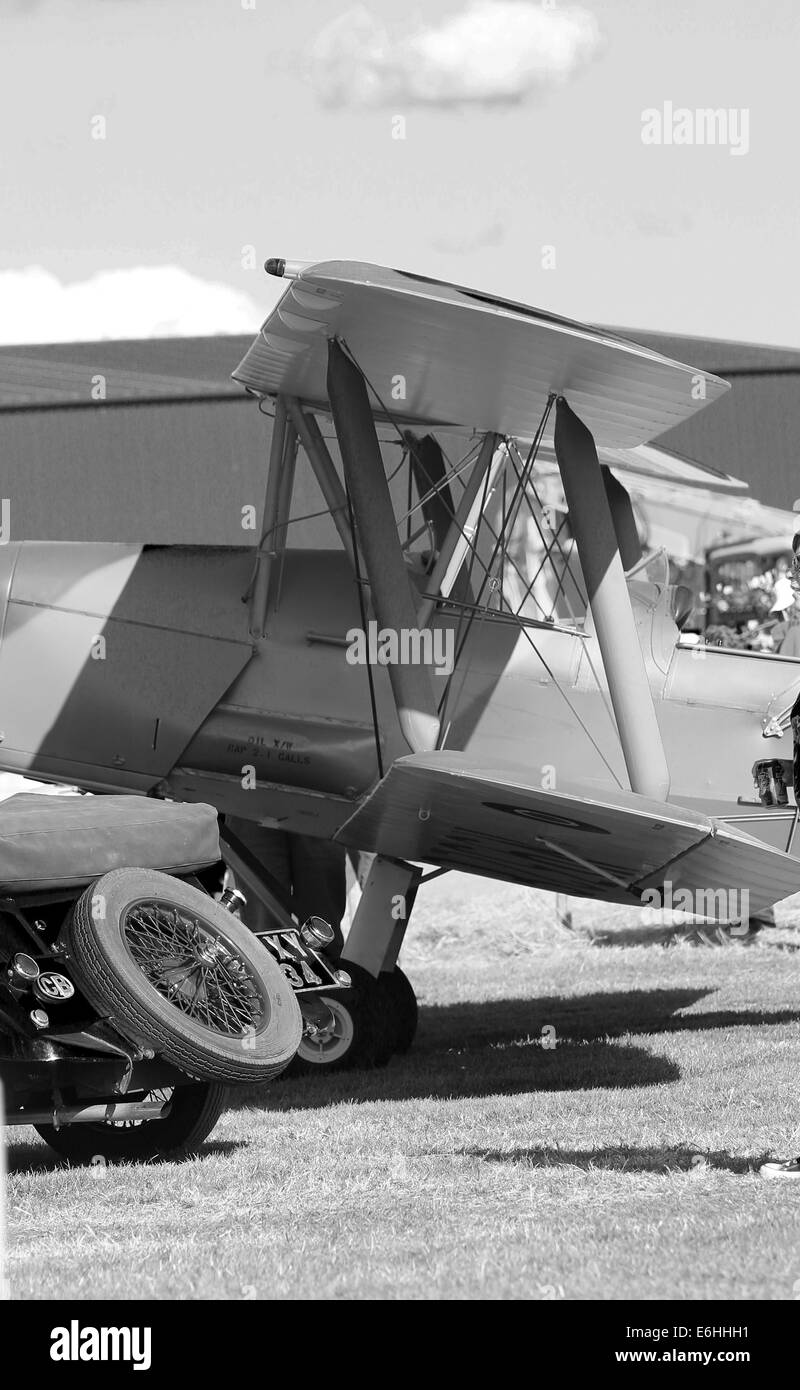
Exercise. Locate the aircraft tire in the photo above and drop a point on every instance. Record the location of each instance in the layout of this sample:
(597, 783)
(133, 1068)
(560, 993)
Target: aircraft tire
(402, 1003)
(194, 1111)
(174, 971)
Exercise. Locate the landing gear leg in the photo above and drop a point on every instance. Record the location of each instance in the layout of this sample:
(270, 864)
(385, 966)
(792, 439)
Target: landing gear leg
(373, 945)
(382, 915)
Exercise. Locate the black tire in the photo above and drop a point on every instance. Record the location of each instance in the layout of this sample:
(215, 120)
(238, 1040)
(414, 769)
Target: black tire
(361, 1038)
(402, 1006)
(120, 936)
(194, 1111)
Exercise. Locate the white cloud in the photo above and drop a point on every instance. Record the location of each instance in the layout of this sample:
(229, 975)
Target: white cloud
(493, 52)
(663, 221)
(143, 302)
(472, 239)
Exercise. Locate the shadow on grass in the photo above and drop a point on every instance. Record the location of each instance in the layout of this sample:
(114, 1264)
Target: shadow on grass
(428, 1075)
(585, 1018)
(37, 1158)
(622, 1160)
(672, 936)
(496, 1048)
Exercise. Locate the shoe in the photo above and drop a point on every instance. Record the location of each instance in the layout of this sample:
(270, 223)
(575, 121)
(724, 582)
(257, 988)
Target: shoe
(789, 1169)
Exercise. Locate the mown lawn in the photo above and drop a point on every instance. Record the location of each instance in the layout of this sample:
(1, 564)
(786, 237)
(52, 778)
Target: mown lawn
(622, 1162)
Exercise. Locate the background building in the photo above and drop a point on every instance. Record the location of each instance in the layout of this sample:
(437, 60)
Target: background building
(128, 440)
(754, 431)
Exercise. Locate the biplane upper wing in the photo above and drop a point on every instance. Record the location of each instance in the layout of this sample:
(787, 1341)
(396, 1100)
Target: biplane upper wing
(447, 809)
(439, 354)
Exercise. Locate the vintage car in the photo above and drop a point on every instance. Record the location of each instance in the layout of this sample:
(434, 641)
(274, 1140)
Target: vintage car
(131, 999)
(740, 583)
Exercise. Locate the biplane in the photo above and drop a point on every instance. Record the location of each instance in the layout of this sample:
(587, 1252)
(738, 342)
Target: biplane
(472, 678)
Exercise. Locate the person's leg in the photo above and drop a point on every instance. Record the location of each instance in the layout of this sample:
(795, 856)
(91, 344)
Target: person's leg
(319, 882)
(312, 870)
(795, 722)
(272, 849)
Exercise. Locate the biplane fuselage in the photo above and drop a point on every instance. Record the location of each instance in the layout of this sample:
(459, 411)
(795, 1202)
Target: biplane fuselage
(118, 668)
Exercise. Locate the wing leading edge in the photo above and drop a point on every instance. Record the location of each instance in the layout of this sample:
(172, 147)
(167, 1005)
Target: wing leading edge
(447, 809)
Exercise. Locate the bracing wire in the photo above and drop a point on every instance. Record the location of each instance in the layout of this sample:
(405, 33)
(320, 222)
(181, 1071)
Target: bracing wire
(508, 519)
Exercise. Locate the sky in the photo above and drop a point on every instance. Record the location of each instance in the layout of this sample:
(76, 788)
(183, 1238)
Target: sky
(154, 154)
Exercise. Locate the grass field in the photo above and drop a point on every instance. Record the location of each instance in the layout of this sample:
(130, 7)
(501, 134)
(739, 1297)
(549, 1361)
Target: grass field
(619, 1163)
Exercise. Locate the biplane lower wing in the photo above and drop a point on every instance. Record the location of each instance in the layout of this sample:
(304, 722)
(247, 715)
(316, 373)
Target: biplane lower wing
(447, 809)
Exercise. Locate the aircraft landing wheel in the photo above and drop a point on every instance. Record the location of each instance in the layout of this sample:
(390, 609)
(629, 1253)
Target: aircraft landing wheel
(356, 1036)
(402, 1001)
(328, 1047)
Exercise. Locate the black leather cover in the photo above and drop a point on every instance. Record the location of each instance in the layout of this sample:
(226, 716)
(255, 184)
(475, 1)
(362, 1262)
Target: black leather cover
(50, 841)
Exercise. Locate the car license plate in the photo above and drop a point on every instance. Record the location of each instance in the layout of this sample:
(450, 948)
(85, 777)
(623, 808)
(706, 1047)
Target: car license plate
(306, 970)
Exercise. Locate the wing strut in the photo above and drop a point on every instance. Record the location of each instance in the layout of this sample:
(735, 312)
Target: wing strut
(376, 536)
(622, 515)
(276, 502)
(598, 549)
(461, 532)
(324, 470)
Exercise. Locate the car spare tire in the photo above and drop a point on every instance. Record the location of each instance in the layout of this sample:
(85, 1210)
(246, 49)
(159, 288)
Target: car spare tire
(170, 968)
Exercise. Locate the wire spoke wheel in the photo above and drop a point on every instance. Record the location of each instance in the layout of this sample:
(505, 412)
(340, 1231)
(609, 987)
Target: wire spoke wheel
(173, 971)
(194, 969)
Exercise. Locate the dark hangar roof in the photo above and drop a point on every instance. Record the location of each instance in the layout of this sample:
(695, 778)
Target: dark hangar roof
(752, 433)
